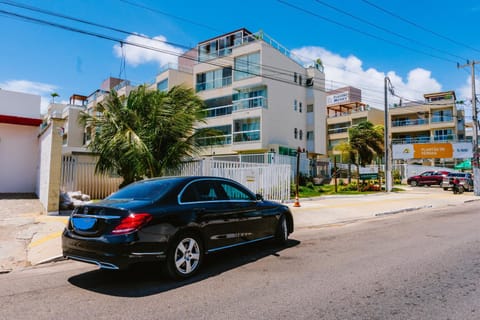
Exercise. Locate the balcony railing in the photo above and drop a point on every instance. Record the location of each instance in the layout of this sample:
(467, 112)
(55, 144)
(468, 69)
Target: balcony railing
(218, 111)
(409, 122)
(218, 83)
(434, 139)
(337, 130)
(246, 136)
(249, 103)
(216, 140)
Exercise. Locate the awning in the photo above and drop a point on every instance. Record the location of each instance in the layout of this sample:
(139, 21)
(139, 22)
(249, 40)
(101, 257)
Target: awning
(467, 164)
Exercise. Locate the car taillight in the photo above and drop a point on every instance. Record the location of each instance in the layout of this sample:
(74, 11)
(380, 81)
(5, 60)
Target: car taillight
(132, 222)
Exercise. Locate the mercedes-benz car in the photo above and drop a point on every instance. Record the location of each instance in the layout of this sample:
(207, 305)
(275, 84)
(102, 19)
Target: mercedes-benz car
(175, 220)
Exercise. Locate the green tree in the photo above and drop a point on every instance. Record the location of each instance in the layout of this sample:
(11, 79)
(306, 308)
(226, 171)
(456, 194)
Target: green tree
(367, 141)
(145, 134)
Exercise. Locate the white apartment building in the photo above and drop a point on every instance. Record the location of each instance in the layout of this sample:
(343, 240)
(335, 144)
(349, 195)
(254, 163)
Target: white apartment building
(257, 97)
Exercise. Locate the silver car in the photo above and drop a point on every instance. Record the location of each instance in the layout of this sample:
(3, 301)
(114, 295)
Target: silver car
(465, 180)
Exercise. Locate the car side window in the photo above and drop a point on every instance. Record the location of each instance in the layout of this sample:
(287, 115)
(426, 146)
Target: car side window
(235, 193)
(200, 191)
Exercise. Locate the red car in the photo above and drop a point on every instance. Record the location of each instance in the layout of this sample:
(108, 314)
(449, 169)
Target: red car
(427, 178)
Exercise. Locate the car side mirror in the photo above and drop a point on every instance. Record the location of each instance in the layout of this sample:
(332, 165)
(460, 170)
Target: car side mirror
(259, 197)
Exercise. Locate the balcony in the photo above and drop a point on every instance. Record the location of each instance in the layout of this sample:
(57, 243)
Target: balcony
(218, 111)
(208, 85)
(249, 103)
(409, 122)
(246, 136)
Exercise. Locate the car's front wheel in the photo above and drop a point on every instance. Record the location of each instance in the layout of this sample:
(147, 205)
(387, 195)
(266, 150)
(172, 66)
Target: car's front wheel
(281, 235)
(185, 256)
(413, 183)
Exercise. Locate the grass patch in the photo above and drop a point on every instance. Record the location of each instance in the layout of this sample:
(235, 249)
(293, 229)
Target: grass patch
(311, 191)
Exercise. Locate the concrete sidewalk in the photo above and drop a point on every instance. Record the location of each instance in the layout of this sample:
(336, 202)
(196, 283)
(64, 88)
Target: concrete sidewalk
(28, 237)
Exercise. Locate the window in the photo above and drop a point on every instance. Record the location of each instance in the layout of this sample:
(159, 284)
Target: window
(295, 133)
(221, 135)
(300, 107)
(214, 79)
(300, 135)
(295, 105)
(163, 85)
(250, 98)
(295, 77)
(247, 66)
(234, 192)
(309, 108)
(201, 191)
(309, 135)
(300, 80)
(246, 129)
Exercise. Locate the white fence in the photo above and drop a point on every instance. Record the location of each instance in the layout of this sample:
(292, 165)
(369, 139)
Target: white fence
(270, 180)
(79, 175)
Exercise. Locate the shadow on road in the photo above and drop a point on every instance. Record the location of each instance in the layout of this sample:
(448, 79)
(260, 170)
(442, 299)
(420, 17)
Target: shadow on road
(149, 279)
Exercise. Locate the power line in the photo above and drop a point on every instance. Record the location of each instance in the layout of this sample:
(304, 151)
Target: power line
(275, 70)
(385, 29)
(362, 32)
(419, 26)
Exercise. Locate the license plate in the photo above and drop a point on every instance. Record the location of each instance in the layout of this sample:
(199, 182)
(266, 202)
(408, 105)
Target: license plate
(84, 224)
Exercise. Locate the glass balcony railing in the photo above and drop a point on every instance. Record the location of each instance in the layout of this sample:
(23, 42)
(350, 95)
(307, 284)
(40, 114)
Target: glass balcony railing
(218, 111)
(246, 136)
(218, 83)
(441, 119)
(337, 130)
(249, 103)
(409, 122)
(215, 141)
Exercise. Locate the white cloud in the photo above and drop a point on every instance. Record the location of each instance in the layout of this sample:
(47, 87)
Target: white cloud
(349, 71)
(42, 89)
(163, 54)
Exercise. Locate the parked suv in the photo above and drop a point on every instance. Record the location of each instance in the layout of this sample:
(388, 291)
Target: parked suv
(427, 178)
(465, 180)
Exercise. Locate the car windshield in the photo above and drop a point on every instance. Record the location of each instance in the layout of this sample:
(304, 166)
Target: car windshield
(144, 190)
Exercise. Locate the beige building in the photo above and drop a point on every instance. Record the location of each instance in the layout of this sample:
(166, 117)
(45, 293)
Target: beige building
(257, 97)
(344, 110)
(437, 119)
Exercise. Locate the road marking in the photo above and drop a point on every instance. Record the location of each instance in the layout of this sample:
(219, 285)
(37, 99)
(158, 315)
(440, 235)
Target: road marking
(45, 239)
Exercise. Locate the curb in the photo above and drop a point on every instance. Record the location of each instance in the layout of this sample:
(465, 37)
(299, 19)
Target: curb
(50, 260)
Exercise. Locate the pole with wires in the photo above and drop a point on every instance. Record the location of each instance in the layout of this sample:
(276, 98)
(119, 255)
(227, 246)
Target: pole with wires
(388, 170)
(476, 155)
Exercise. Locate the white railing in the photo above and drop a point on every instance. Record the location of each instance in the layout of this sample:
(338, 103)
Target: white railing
(270, 180)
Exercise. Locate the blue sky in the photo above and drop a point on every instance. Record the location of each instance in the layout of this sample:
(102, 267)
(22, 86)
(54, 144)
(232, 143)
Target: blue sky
(417, 47)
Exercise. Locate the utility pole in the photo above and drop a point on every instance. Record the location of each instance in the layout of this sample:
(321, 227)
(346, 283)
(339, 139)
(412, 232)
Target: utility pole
(388, 170)
(475, 158)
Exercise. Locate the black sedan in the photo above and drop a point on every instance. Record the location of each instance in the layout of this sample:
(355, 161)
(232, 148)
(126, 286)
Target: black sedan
(176, 220)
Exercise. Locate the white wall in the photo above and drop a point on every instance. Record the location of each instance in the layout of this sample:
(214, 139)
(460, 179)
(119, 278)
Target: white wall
(18, 158)
(19, 104)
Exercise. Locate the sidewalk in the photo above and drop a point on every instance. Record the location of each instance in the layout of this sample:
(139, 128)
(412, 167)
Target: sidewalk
(28, 237)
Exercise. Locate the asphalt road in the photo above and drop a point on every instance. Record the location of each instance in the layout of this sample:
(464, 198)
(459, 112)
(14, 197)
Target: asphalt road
(419, 265)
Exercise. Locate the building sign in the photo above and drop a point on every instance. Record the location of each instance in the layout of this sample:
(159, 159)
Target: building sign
(432, 150)
(338, 98)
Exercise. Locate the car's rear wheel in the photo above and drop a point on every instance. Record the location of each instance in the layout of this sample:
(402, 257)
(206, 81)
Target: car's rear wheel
(445, 189)
(185, 256)
(413, 183)
(281, 234)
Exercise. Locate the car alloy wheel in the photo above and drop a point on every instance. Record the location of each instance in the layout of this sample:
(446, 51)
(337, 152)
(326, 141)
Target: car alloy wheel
(413, 183)
(282, 231)
(185, 256)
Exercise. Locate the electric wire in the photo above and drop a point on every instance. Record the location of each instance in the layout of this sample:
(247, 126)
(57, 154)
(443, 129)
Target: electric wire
(31, 19)
(385, 29)
(418, 26)
(314, 14)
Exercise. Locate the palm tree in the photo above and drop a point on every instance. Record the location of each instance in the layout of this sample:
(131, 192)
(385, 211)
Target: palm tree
(146, 134)
(54, 95)
(367, 141)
